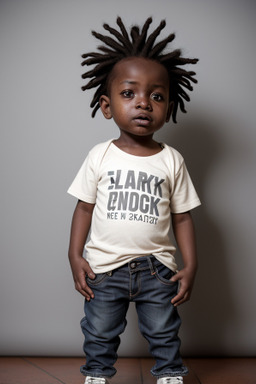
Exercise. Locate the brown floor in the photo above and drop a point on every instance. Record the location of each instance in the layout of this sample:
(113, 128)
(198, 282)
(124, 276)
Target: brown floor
(38, 370)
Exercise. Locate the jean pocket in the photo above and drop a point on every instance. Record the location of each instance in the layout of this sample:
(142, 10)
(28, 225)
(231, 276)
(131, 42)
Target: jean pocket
(100, 277)
(164, 274)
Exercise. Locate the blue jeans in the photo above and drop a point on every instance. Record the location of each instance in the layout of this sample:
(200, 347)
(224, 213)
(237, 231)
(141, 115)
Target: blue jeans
(144, 281)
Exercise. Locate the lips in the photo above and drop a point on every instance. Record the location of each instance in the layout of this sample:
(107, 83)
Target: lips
(143, 119)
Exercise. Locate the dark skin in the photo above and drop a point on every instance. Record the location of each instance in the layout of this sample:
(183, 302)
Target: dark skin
(138, 101)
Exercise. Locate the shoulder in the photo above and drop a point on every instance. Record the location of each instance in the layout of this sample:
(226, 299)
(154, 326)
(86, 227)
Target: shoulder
(96, 155)
(173, 155)
(97, 152)
(100, 148)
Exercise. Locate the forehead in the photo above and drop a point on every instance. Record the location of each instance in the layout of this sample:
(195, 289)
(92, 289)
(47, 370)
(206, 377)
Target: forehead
(141, 69)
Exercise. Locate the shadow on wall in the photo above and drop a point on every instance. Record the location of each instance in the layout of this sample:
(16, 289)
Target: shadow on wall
(207, 316)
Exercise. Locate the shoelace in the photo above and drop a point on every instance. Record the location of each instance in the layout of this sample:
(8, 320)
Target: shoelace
(96, 380)
(173, 380)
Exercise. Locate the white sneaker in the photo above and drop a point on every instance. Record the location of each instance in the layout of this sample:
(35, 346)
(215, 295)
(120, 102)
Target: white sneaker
(170, 380)
(95, 380)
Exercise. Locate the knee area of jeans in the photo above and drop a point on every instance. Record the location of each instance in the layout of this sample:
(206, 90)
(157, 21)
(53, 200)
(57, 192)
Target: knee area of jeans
(99, 326)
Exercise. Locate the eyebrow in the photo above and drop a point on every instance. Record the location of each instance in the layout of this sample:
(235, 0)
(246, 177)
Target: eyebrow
(131, 82)
(128, 82)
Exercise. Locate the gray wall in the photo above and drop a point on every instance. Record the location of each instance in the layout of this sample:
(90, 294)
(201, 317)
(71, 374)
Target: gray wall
(46, 131)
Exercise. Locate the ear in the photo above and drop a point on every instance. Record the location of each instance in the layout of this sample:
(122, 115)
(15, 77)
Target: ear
(169, 112)
(105, 106)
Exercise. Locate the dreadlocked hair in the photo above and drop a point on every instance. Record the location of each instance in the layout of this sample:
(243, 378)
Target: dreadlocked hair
(137, 45)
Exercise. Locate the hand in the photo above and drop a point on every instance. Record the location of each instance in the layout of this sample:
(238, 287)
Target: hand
(186, 279)
(81, 269)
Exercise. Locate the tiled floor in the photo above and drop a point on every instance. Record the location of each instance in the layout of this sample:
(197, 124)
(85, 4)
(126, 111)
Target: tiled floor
(37, 370)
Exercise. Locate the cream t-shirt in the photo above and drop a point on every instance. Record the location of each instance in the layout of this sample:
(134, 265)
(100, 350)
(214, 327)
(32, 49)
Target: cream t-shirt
(134, 198)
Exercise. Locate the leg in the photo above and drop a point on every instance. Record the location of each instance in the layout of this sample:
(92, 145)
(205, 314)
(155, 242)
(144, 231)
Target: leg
(159, 320)
(104, 321)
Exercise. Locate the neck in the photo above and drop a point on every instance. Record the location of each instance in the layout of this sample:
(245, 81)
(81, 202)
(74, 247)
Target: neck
(138, 145)
(129, 140)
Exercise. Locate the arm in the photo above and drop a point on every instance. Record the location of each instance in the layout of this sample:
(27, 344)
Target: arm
(184, 233)
(80, 227)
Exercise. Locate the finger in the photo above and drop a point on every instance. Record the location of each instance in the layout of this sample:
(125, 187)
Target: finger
(176, 277)
(180, 299)
(84, 289)
(176, 299)
(83, 293)
(180, 295)
(87, 290)
(89, 272)
(180, 302)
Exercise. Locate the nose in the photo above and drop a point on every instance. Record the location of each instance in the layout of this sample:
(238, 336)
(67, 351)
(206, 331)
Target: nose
(143, 102)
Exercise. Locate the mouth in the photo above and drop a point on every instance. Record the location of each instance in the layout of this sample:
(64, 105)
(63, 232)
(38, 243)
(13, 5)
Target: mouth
(143, 119)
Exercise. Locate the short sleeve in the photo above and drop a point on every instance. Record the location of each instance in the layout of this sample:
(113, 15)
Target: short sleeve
(183, 196)
(84, 186)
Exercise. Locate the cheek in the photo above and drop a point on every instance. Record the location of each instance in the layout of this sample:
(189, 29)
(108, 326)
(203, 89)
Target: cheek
(120, 110)
(163, 113)
(119, 115)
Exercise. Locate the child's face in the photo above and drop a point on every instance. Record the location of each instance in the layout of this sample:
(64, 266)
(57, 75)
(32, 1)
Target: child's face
(138, 97)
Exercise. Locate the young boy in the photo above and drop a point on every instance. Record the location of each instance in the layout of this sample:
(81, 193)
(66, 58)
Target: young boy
(129, 190)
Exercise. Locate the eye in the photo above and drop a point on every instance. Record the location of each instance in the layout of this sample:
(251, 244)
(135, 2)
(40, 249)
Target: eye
(157, 97)
(127, 93)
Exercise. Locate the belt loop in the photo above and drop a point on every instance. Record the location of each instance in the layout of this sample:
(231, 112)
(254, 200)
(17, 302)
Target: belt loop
(151, 265)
